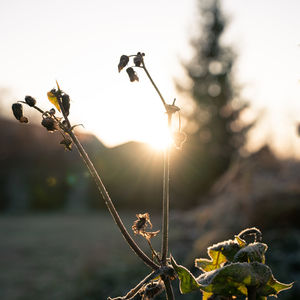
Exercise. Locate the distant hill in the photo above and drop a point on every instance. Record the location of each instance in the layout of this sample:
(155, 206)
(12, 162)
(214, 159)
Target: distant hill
(37, 173)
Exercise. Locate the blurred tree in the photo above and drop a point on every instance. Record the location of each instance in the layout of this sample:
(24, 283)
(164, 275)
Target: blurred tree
(218, 134)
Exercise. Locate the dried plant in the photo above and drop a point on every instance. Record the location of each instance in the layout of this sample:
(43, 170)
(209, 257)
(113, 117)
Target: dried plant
(235, 268)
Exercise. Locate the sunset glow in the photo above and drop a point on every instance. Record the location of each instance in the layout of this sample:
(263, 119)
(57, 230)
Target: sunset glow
(160, 141)
(93, 35)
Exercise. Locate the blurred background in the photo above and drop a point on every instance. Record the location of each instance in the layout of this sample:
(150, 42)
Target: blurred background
(234, 69)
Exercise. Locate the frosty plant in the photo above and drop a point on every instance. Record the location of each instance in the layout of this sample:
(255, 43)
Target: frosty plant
(236, 268)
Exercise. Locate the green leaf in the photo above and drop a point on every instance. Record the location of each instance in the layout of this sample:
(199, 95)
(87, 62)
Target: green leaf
(228, 249)
(219, 254)
(252, 252)
(53, 99)
(206, 296)
(234, 279)
(226, 281)
(217, 258)
(187, 281)
(273, 287)
(240, 241)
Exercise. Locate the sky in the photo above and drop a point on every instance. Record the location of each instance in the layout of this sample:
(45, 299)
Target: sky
(79, 43)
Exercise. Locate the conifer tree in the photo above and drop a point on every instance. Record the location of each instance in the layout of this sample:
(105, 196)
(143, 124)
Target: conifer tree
(219, 133)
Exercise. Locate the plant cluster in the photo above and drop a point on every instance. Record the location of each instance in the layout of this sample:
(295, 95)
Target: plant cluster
(235, 268)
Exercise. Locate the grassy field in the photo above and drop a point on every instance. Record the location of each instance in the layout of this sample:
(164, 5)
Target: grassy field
(67, 257)
(84, 257)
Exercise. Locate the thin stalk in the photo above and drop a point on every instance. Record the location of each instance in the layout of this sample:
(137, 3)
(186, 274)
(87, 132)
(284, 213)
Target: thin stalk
(166, 199)
(166, 175)
(154, 85)
(106, 196)
(169, 289)
(165, 213)
(166, 193)
(35, 107)
(251, 290)
(154, 254)
(165, 220)
(137, 288)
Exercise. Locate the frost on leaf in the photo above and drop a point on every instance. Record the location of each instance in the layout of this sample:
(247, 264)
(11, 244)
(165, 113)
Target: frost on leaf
(234, 279)
(217, 259)
(235, 265)
(252, 252)
(187, 282)
(227, 248)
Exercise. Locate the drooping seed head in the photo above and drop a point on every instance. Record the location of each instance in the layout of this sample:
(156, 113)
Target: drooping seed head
(138, 59)
(17, 109)
(30, 101)
(65, 99)
(52, 111)
(124, 59)
(132, 75)
(50, 124)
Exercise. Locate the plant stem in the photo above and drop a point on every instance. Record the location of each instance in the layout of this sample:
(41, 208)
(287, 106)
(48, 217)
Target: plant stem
(166, 192)
(166, 199)
(168, 287)
(110, 204)
(154, 85)
(106, 196)
(165, 213)
(251, 290)
(137, 288)
(166, 209)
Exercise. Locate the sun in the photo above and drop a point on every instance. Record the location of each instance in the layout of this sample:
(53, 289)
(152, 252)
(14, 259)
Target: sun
(159, 141)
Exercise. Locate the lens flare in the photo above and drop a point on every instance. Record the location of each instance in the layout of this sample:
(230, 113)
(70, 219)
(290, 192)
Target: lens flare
(160, 141)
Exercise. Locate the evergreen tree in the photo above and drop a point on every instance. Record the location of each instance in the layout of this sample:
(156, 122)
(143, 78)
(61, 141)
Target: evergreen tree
(219, 134)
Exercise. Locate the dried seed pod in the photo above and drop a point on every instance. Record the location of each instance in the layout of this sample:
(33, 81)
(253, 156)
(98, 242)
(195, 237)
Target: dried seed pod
(52, 111)
(50, 124)
(30, 101)
(138, 59)
(153, 289)
(17, 109)
(67, 143)
(65, 99)
(132, 75)
(124, 59)
(139, 226)
(23, 119)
